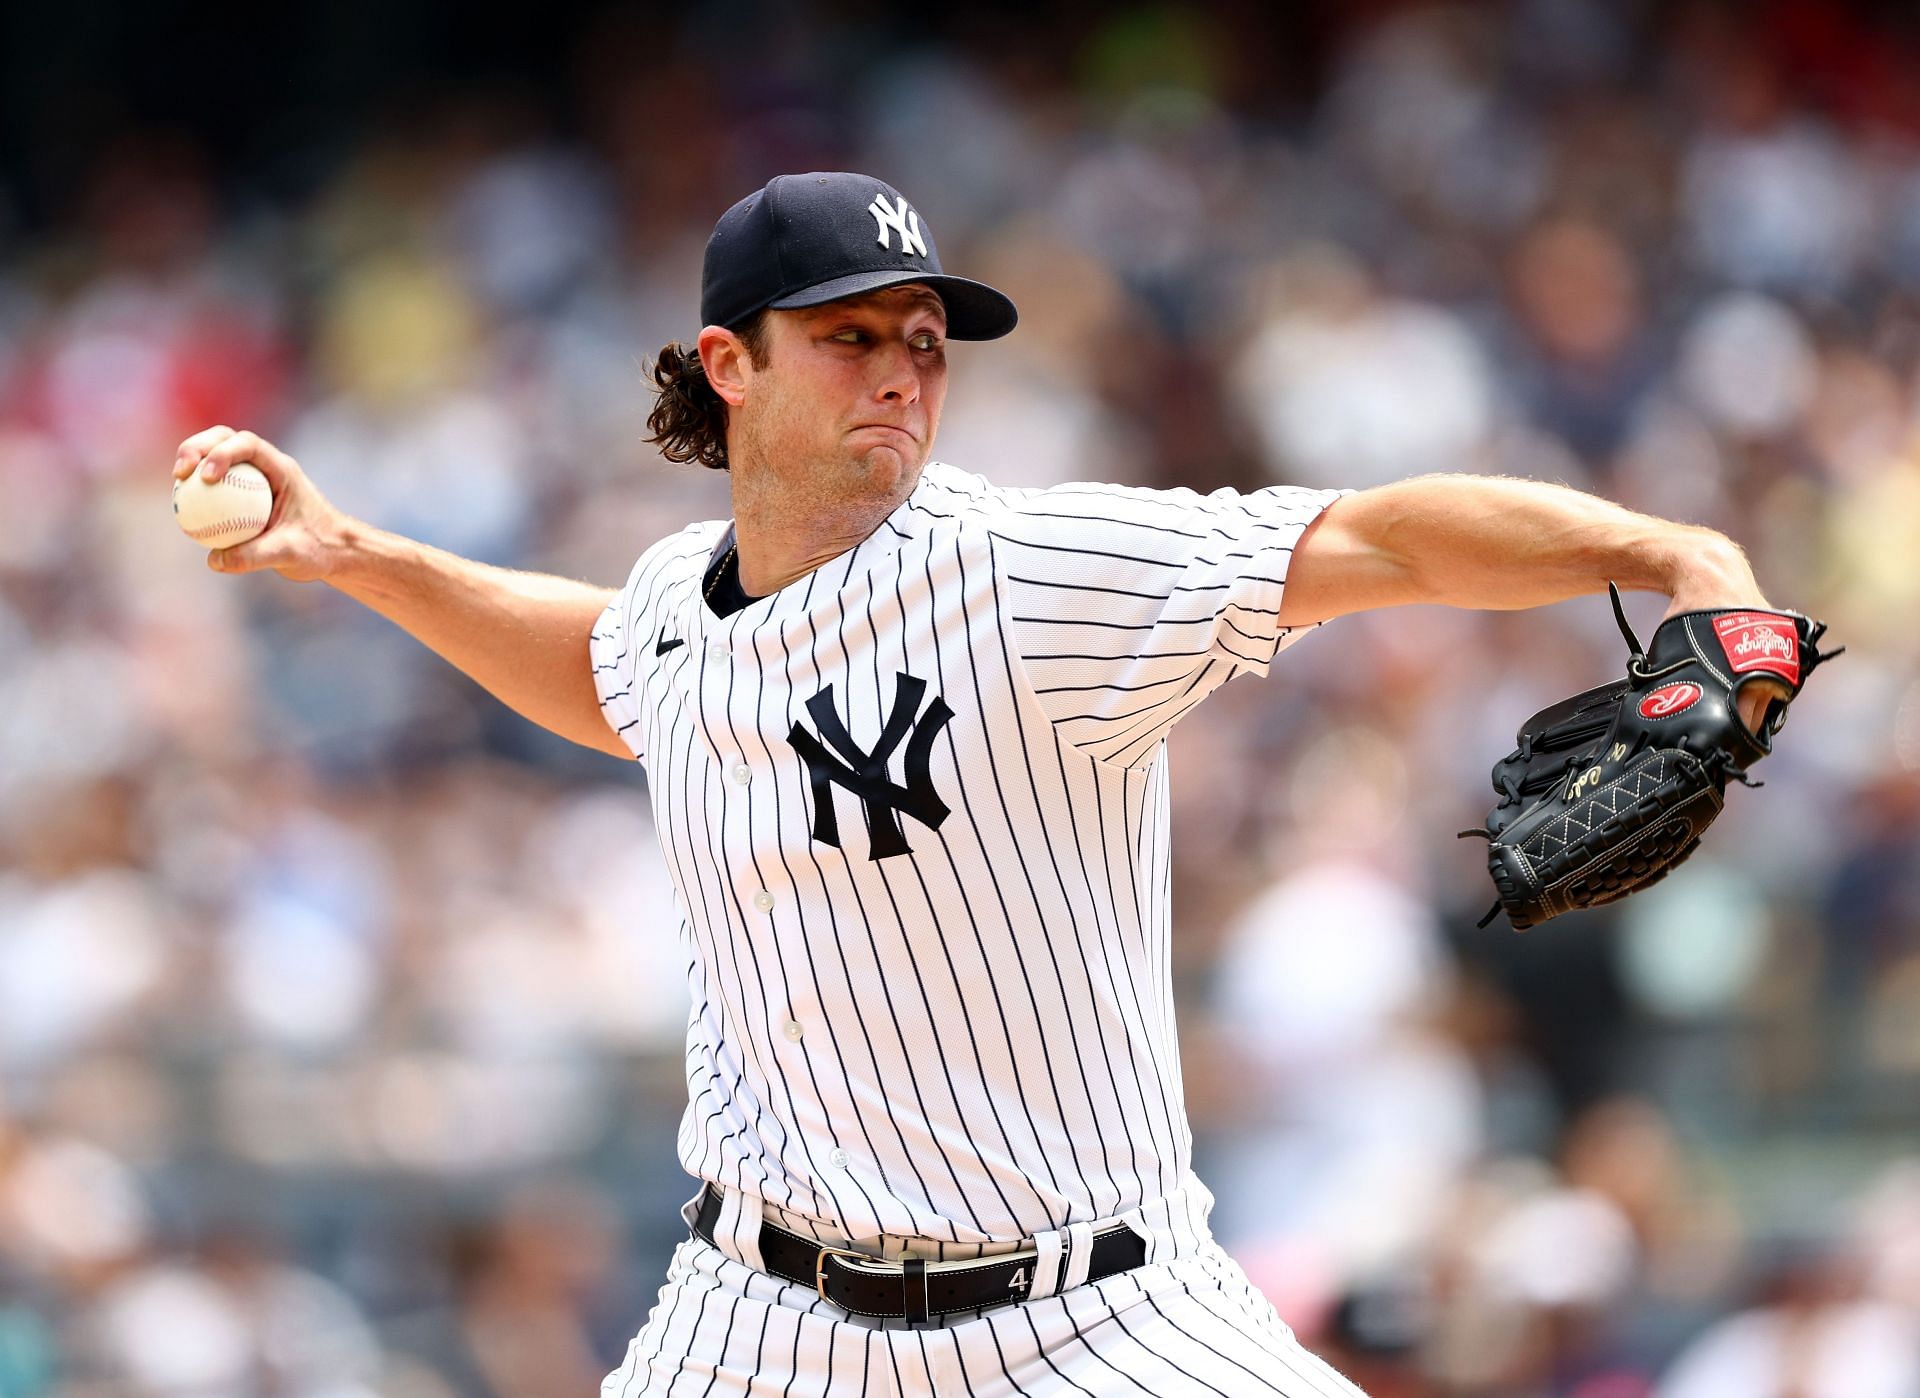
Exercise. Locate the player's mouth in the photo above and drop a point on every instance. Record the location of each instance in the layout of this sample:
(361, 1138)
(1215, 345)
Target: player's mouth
(886, 427)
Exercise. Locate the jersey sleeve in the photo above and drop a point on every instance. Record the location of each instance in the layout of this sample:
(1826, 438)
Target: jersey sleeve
(617, 642)
(1129, 606)
(615, 662)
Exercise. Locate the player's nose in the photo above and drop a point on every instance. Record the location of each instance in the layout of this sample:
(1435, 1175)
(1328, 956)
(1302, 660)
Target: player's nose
(896, 375)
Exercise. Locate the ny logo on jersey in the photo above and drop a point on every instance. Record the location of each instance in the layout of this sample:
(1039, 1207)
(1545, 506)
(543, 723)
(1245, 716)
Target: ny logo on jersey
(903, 220)
(865, 773)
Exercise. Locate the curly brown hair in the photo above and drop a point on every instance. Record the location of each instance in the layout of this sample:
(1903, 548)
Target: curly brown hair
(689, 420)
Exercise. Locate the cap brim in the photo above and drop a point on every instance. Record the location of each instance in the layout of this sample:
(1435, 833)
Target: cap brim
(975, 311)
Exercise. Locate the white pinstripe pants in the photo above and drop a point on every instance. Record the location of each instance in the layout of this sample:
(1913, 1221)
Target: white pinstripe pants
(1190, 1326)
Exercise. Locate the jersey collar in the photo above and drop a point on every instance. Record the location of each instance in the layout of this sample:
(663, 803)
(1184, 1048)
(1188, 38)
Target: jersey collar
(907, 521)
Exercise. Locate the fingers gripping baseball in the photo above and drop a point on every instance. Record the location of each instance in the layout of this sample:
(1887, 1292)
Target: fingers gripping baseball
(303, 530)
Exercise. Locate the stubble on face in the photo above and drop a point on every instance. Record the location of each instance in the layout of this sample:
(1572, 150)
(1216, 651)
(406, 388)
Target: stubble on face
(843, 416)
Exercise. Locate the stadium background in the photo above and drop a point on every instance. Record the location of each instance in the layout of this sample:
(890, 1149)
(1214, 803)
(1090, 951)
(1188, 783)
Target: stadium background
(340, 1010)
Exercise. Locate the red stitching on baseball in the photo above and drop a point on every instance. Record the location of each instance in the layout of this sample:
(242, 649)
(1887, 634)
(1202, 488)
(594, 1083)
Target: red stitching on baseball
(222, 527)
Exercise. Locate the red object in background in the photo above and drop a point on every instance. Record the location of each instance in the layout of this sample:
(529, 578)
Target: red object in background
(1853, 66)
(227, 367)
(130, 379)
(1612, 1386)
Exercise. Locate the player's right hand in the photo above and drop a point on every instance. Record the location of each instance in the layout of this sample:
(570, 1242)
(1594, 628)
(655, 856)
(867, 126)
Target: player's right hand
(305, 535)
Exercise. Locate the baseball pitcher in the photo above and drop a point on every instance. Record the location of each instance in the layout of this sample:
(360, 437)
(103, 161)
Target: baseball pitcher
(904, 732)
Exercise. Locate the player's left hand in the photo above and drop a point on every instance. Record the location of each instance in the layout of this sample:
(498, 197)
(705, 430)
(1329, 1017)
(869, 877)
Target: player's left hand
(1610, 789)
(1719, 577)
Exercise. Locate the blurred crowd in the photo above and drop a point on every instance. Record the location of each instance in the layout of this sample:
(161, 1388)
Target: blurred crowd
(341, 1012)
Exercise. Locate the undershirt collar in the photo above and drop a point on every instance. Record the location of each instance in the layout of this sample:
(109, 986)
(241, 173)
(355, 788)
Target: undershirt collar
(721, 584)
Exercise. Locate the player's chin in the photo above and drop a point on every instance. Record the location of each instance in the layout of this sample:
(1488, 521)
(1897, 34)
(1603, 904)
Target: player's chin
(893, 458)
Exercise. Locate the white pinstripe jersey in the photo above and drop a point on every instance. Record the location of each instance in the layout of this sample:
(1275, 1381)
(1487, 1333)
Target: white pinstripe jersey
(915, 807)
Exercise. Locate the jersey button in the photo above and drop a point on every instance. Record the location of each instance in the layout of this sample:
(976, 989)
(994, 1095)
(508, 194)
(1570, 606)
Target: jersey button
(743, 774)
(717, 654)
(838, 1160)
(793, 1029)
(763, 900)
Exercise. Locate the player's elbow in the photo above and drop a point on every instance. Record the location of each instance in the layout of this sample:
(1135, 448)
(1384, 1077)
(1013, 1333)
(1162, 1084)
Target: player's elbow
(1342, 564)
(589, 725)
(573, 711)
(603, 740)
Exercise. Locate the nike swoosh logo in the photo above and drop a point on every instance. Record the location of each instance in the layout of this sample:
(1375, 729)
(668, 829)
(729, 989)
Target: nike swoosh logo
(663, 645)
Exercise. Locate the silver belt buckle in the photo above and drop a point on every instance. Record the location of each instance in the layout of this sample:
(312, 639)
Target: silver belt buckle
(1023, 1275)
(820, 1268)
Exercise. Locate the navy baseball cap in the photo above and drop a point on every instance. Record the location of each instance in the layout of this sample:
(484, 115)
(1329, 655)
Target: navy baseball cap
(808, 239)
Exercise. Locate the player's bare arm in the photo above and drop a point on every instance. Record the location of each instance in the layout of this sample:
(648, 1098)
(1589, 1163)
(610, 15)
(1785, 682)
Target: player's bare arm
(1496, 544)
(521, 636)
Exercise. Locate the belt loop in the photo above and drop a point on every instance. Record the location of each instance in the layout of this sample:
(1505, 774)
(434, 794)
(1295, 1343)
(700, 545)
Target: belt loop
(1079, 1255)
(737, 1233)
(1046, 1264)
(913, 1288)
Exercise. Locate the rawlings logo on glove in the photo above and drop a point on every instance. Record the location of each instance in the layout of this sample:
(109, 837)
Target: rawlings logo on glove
(1752, 643)
(1609, 790)
(1670, 699)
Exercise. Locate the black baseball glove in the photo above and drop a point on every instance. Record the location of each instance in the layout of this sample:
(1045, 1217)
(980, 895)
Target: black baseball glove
(1609, 790)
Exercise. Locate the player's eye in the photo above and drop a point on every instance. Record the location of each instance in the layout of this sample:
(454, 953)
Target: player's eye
(925, 340)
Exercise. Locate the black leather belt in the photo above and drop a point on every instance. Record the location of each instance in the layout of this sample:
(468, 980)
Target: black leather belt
(914, 1289)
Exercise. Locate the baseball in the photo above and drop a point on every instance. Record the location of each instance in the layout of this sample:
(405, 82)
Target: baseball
(219, 514)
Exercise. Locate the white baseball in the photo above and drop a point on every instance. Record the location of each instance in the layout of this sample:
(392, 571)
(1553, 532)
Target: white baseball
(219, 514)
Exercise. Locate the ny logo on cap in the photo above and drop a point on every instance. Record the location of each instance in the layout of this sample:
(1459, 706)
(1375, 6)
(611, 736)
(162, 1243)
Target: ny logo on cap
(904, 219)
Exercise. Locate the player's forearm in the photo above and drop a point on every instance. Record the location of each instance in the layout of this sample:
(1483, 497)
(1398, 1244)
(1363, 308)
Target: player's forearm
(1494, 543)
(521, 636)
(1476, 541)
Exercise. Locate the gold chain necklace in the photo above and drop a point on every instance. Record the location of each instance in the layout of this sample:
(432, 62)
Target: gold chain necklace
(721, 571)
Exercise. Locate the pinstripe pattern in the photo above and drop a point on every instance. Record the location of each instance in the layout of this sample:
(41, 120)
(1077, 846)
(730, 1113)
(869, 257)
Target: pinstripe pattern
(970, 1042)
(1190, 1328)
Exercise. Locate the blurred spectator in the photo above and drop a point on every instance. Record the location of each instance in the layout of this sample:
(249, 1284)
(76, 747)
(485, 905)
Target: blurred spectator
(1587, 363)
(1350, 387)
(1813, 1335)
(235, 1322)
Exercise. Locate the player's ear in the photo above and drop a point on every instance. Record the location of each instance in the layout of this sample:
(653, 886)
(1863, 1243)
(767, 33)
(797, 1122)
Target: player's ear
(728, 366)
